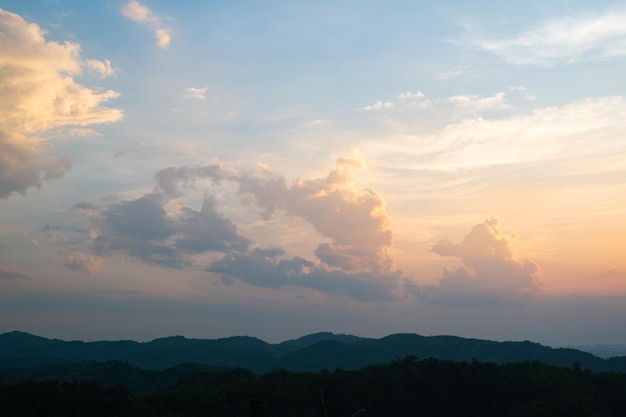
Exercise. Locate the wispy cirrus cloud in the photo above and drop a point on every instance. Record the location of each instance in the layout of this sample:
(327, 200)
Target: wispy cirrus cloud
(141, 14)
(451, 106)
(588, 131)
(591, 36)
(453, 73)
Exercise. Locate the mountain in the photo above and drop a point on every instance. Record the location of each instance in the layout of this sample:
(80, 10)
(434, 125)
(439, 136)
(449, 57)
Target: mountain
(309, 353)
(603, 351)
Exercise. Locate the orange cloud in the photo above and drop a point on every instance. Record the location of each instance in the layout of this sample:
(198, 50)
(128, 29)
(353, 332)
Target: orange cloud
(143, 15)
(39, 94)
(491, 271)
(353, 218)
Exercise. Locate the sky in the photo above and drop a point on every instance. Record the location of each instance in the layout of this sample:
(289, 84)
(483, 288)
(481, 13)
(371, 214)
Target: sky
(278, 168)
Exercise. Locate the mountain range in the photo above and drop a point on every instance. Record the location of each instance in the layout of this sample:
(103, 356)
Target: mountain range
(309, 353)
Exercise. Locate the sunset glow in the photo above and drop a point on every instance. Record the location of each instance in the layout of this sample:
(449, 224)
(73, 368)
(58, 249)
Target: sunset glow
(274, 169)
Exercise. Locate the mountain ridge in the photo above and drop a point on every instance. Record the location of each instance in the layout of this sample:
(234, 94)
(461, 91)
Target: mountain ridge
(313, 352)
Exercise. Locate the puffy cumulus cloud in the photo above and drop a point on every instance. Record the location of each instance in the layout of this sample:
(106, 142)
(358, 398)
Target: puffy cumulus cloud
(21, 167)
(263, 268)
(137, 228)
(144, 229)
(78, 261)
(353, 218)
(208, 230)
(39, 94)
(157, 229)
(566, 40)
(491, 272)
(141, 14)
(169, 179)
(36, 84)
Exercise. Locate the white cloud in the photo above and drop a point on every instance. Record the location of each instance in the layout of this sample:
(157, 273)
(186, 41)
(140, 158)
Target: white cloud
(565, 40)
(144, 16)
(453, 73)
(101, 68)
(590, 131)
(452, 106)
(411, 107)
(36, 84)
(403, 99)
(198, 93)
(524, 92)
(39, 95)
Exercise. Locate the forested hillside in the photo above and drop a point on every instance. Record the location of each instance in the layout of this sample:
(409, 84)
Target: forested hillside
(408, 387)
(309, 353)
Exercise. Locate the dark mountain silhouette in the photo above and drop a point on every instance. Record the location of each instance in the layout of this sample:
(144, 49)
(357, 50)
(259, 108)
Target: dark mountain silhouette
(309, 353)
(603, 351)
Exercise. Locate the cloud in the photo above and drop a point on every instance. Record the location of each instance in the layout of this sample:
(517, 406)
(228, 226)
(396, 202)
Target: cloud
(453, 73)
(263, 268)
(143, 218)
(403, 99)
(143, 229)
(566, 40)
(208, 230)
(491, 272)
(137, 228)
(453, 106)
(198, 93)
(21, 167)
(37, 88)
(84, 206)
(587, 132)
(54, 234)
(78, 261)
(10, 277)
(39, 94)
(141, 14)
(354, 262)
(524, 92)
(101, 68)
(169, 179)
(353, 218)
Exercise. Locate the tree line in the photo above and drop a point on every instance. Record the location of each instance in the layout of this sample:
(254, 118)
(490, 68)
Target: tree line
(407, 387)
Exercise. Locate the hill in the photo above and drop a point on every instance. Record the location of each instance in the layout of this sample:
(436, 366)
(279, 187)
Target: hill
(309, 353)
